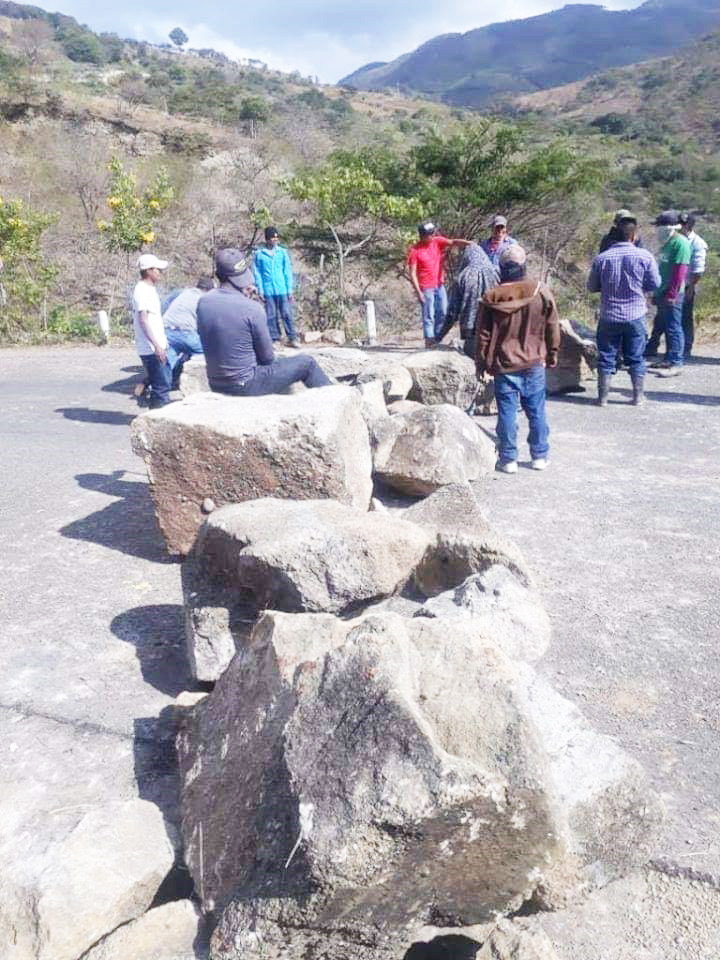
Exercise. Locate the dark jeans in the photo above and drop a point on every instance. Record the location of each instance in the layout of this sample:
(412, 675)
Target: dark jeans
(527, 387)
(159, 376)
(615, 340)
(688, 323)
(279, 307)
(669, 321)
(279, 375)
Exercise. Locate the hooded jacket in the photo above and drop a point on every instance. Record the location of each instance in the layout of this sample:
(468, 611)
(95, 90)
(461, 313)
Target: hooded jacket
(518, 327)
(273, 272)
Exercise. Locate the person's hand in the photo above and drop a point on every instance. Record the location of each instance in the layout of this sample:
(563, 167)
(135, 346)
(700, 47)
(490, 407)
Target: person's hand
(551, 363)
(421, 297)
(291, 298)
(161, 354)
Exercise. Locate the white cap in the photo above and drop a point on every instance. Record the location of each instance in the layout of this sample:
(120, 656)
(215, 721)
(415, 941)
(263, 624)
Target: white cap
(146, 261)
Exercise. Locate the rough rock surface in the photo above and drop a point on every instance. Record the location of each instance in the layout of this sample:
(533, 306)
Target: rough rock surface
(311, 555)
(465, 542)
(502, 608)
(388, 754)
(342, 363)
(233, 449)
(418, 452)
(510, 942)
(573, 368)
(442, 376)
(194, 379)
(64, 890)
(372, 404)
(404, 406)
(168, 932)
(392, 373)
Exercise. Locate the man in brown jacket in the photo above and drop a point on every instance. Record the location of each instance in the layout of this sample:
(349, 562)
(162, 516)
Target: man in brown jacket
(518, 335)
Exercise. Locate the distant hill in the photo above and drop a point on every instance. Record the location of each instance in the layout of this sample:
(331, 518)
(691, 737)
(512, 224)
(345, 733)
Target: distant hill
(522, 56)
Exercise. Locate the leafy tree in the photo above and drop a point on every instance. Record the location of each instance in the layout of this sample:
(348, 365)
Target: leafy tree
(81, 45)
(254, 108)
(178, 36)
(133, 211)
(26, 277)
(351, 203)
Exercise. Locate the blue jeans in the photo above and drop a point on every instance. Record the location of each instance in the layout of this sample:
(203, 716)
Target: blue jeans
(528, 388)
(184, 342)
(279, 375)
(160, 377)
(630, 338)
(279, 306)
(434, 311)
(669, 321)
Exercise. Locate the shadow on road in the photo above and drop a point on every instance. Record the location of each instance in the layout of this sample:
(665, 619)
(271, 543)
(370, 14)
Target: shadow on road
(127, 525)
(127, 383)
(157, 633)
(86, 415)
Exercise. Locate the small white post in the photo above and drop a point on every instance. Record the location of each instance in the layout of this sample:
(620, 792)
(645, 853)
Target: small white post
(370, 322)
(104, 324)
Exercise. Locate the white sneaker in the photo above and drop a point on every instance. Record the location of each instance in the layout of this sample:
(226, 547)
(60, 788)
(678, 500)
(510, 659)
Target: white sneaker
(509, 466)
(538, 464)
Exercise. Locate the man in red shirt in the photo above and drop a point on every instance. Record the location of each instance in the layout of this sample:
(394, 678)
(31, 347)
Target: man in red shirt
(427, 276)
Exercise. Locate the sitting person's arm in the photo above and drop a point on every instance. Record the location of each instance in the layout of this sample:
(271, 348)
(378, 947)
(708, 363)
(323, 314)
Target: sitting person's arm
(262, 344)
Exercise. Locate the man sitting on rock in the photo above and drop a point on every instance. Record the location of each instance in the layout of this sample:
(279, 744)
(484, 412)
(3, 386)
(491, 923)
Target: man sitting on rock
(236, 341)
(517, 335)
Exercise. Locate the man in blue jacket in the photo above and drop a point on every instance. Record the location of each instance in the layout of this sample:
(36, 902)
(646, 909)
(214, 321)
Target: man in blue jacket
(272, 269)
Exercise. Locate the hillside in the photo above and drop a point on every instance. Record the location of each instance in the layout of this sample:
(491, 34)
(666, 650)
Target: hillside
(536, 53)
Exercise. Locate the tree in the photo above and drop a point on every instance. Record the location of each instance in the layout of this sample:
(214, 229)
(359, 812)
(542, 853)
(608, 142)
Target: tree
(25, 274)
(351, 203)
(178, 36)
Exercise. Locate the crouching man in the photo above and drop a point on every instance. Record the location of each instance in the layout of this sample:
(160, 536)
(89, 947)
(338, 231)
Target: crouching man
(517, 336)
(236, 341)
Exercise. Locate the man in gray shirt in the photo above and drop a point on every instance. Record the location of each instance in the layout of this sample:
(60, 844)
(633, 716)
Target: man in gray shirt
(236, 341)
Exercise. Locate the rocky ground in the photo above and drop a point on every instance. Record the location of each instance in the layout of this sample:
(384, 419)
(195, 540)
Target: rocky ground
(622, 537)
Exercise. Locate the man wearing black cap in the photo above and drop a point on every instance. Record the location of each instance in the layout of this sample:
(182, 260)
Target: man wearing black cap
(235, 338)
(673, 260)
(273, 272)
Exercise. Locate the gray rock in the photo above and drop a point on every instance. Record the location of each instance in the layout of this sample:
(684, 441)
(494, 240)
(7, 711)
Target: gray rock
(394, 376)
(442, 376)
(372, 404)
(510, 942)
(501, 608)
(312, 336)
(342, 363)
(312, 555)
(168, 932)
(241, 448)
(208, 505)
(81, 874)
(575, 364)
(464, 542)
(194, 379)
(403, 758)
(418, 452)
(334, 336)
(403, 406)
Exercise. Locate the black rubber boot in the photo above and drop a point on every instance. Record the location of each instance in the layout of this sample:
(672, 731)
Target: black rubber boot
(603, 388)
(638, 398)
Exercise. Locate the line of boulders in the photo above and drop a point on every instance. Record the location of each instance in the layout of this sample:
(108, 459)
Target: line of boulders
(378, 754)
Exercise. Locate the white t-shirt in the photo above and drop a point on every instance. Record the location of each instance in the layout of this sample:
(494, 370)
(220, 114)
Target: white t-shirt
(145, 297)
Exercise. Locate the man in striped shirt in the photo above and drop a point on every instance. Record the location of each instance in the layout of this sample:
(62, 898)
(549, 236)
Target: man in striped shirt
(624, 274)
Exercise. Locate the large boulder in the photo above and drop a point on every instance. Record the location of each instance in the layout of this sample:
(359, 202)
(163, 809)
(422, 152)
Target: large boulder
(193, 378)
(501, 608)
(311, 555)
(232, 449)
(391, 372)
(442, 376)
(168, 932)
(341, 363)
(400, 774)
(79, 876)
(418, 452)
(576, 358)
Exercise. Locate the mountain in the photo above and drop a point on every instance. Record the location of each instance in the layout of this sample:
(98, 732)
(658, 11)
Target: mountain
(522, 56)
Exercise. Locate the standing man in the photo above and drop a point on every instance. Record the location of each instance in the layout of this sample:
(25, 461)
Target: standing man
(517, 336)
(273, 273)
(235, 338)
(427, 276)
(157, 356)
(697, 269)
(614, 234)
(624, 274)
(498, 241)
(674, 260)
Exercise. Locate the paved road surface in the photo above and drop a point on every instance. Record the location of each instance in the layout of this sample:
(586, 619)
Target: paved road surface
(622, 531)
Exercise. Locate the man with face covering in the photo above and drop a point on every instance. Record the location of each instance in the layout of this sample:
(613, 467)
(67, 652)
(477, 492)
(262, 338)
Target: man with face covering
(674, 261)
(476, 276)
(517, 336)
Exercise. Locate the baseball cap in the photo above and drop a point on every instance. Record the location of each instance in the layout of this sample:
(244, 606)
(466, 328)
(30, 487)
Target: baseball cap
(271, 232)
(146, 261)
(232, 264)
(499, 221)
(513, 254)
(624, 215)
(668, 218)
(426, 228)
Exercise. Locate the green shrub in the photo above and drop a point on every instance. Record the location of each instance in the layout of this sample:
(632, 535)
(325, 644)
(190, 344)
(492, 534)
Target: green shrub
(82, 46)
(71, 325)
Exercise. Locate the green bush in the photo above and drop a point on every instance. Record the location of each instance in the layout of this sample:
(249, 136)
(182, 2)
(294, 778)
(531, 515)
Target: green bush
(190, 143)
(82, 46)
(71, 325)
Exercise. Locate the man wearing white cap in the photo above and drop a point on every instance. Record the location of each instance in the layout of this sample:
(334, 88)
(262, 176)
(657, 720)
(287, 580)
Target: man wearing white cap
(150, 340)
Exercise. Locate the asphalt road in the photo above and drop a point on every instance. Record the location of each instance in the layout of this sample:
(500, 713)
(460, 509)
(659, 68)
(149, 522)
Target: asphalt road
(622, 533)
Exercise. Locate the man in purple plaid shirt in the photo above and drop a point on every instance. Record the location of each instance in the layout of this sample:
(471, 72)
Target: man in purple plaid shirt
(623, 274)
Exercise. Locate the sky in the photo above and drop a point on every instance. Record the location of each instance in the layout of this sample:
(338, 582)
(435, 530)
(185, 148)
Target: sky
(316, 37)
